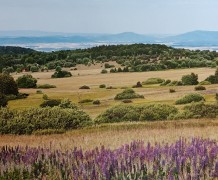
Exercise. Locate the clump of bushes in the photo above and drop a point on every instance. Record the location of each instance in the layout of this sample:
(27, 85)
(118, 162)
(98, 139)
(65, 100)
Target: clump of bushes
(50, 103)
(191, 79)
(165, 83)
(138, 85)
(84, 87)
(30, 120)
(204, 83)
(26, 81)
(149, 112)
(102, 86)
(61, 74)
(106, 65)
(39, 92)
(199, 88)
(213, 79)
(45, 86)
(153, 81)
(3, 100)
(128, 94)
(190, 98)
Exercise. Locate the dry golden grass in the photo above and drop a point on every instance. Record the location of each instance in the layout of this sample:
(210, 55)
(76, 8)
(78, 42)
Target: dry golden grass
(115, 135)
(69, 87)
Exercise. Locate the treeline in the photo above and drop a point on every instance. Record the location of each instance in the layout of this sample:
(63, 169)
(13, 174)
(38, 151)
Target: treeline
(136, 57)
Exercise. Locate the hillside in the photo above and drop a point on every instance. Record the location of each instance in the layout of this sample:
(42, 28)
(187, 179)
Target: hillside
(135, 57)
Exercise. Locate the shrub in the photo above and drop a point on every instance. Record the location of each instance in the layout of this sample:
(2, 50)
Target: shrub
(96, 102)
(110, 87)
(29, 120)
(199, 88)
(85, 101)
(164, 83)
(84, 87)
(127, 101)
(204, 83)
(3, 100)
(8, 85)
(190, 98)
(45, 97)
(106, 65)
(26, 81)
(104, 71)
(191, 79)
(61, 74)
(153, 81)
(213, 79)
(202, 110)
(138, 85)
(39, 92)
(128, 94)
(102, 86)
(66, 103)
(51, 103)
(46, 86)
(172, 90)
(123, 113)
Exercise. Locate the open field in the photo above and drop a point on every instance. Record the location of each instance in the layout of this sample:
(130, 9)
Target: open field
(69, 87)
(114, 135)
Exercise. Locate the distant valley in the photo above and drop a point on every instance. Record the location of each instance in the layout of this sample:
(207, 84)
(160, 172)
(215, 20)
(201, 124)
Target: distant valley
(47, 41)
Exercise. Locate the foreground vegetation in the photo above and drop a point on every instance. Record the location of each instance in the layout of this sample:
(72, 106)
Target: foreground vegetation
(185, 159)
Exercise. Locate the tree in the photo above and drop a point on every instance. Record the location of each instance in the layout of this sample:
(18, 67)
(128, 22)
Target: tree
(3, 100)
(8, 85)
(26, 81)
(191, 79)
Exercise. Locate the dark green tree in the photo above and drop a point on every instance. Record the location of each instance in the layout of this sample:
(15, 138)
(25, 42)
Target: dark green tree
(191, 79)
(3, 100)
(26, 81)
(8, 85)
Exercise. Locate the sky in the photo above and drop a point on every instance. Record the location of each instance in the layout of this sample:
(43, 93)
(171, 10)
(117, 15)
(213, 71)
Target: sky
(109, 16)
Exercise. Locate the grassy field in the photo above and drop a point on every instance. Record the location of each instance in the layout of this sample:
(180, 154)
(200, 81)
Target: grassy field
(69, 88)
(115, 135)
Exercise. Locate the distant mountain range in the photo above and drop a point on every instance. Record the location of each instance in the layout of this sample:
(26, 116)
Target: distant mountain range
(40, 40)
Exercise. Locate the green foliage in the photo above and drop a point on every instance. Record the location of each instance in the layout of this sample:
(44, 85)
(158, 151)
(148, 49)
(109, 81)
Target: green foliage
(66, 103)
(204, 83)
(128, 94)
(34, 69)
(104, 71)
(199, 88)
(153, 81)
(39, 92)
(45, 97)
(190, 98)
(8, 85)
(123, 113)
(45, 86)
(106, 66)
(165, 83)
(213, 79)
(50, 103)
(96, 102)
(26, 81)
(3, 100)
(102, 86)
(61, 74)
(191, 79)
(29, 120)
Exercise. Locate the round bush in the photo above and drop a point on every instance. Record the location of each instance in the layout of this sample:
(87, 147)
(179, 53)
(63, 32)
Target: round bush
(51, 103)
(26, 81)
(8, 85)
(190, 98)
(128, 94)
(84, 87)
(153, 81)
(102, 86)
(96, 102)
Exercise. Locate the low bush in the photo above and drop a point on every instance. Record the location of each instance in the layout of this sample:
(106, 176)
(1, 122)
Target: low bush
(190, 98)
(104, 71)
(45, 97)
(26, 81)
(102, 86)
(61, 74)
(204, 83)
(50, 103)
(46, 86)
(128, 94)
(85, 101)
(29, 120)
(199, 88)
(127, 101)
(191, 79)
(153, 81)
(123, 113)
(96, 102)
(39, 92)
(172, 90)
(84, 87)
(165, 83)
(138, 85)
(175, 83)
(111, 87)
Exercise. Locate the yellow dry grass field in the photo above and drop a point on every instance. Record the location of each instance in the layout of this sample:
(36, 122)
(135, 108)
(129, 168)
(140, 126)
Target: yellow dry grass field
(115, 135)
(69, 87)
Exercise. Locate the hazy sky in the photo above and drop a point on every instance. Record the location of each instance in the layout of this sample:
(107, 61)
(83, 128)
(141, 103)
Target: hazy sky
(109, 16)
